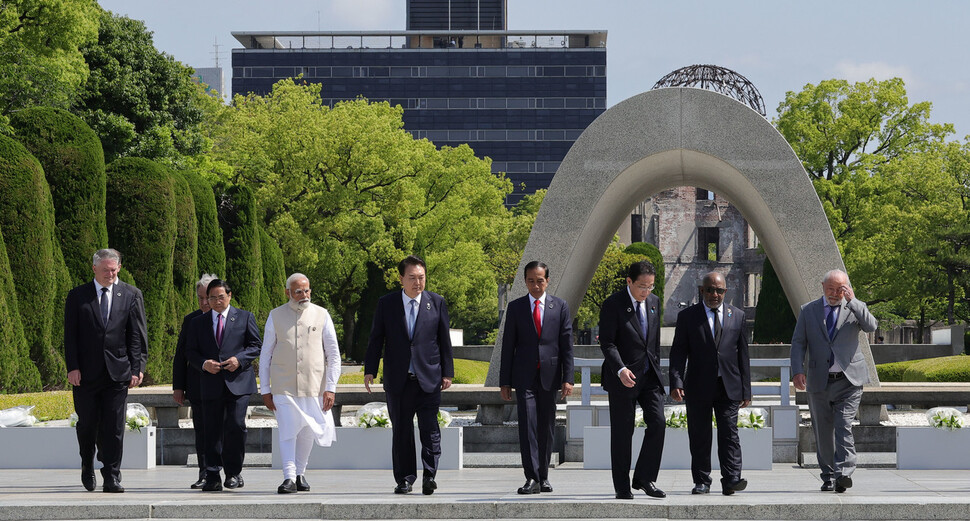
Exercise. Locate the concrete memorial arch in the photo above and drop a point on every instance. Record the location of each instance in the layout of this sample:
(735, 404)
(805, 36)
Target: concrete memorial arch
(672, 137)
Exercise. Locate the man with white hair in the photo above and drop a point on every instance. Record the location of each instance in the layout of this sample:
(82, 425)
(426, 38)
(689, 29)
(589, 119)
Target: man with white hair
(825, 347)
(299, 367)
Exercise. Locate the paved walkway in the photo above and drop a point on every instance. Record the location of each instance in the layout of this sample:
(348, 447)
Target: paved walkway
(786, 492)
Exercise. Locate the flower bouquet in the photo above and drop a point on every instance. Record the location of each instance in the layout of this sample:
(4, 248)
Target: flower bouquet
(136, 417)
(19, 416)
(751, 418)
(373, 414)
(444, 418)
(946, 418)
(676, 417)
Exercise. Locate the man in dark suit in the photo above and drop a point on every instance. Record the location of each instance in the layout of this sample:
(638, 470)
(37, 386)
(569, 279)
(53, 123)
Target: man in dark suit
(537, 359)
(411, 329)
(105, 347)
(710, 339)
(630, 340)
(224, 343)
(825, 347)
(185, 378)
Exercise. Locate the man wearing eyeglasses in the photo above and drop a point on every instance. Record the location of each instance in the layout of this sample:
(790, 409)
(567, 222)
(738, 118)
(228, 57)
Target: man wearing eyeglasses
(630, 340)
(224, 343)
(710, 339)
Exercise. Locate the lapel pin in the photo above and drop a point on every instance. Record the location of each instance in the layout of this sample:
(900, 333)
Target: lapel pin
(428, 305)
(550, 305)
(232, 319)
(629, 310)
(729, 312)
(314, 328)
(652, 309)
(118, 294)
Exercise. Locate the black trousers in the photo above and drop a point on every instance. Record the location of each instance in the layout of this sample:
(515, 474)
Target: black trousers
(649, 393)
(224, 424)
(537, 421)
(699, 432)
(402, 409)
(100, 407)
(198, 425)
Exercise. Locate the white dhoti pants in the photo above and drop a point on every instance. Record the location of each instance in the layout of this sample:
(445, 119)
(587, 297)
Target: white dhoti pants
(301, 421)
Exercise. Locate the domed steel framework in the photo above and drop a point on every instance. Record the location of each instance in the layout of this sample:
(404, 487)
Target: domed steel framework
(718, 79)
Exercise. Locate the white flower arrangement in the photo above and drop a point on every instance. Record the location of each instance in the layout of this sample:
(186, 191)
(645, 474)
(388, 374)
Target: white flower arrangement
(676, 417)
(638, 418)
(19, 416)
(444, 418)
(373, 415)
(136, 417)
(751, 418)
(946, 418)
(72, 419)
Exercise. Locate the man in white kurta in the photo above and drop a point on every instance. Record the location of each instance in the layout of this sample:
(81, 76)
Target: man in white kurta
(299, 366)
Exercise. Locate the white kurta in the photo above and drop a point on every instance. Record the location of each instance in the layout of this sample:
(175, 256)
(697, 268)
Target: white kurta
(293, 413)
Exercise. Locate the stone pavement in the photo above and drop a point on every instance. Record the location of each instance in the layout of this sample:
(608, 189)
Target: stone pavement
(786, 492)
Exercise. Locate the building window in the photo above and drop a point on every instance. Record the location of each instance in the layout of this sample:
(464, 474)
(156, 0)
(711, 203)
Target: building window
(704, 195)
(752, 239)
(708, 244)
(752, 290)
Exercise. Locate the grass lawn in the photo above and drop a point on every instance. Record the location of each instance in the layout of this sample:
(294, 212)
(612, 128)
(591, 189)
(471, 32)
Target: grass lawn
(466, 372)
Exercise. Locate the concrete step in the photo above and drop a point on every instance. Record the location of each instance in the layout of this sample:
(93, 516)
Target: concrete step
(866, 460)
(498, 460)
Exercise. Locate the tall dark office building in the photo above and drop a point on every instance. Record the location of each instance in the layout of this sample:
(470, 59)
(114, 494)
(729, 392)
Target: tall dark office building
(519, 97)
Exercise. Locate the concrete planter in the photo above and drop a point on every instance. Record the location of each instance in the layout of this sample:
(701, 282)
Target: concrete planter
(756, 449)
(932, 448)
(359, 448)
(56, 448)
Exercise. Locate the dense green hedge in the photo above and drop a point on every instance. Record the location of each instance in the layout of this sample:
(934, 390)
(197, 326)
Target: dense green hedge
(27, 221)
(941, 369)
(17, 372)
(774, 322)
(240, 230)
(274, 272)
(141, 208)
(211, 256)
(652, 253)
(184, 268)
(73, 162)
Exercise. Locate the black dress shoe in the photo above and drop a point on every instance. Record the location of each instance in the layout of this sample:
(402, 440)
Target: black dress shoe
(650, 489)
(842, 483)
(828, 486)
(732, 486)
(428, 485)
(301, 484)
(288, 487)
(113, 486)
(624, 495)
(87, 477)
(212, 485)
(531, 487)
(545, 486)
(198, 484)
(701, 488)
(403, 487)
(234, 482)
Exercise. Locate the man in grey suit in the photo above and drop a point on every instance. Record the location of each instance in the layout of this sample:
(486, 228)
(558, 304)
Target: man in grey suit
(826, 341)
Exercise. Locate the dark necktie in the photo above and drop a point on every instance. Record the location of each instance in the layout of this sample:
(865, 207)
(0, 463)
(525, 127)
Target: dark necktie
(717, 326)
(219, 327)
(830, 322)
(104, 306)
(642, 318)
(411, 318)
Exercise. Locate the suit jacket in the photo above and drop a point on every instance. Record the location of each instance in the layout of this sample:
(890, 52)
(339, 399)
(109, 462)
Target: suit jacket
(240, 338)
(120, 346)
(431, 344)
(522, 349)
(694, 346)
(811, 341)
(185, 377)
(622, 340)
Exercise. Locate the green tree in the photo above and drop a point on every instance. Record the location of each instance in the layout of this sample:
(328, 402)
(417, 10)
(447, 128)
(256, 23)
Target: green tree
(18, 374)
(774, 321)
(36, 264)
(142, 225)
(40, 61)
(609, 277)
(73, 163)
(274, 273)
(140, 101)
(185, 272)
(244, 265)
(652, 253)
(211, 256)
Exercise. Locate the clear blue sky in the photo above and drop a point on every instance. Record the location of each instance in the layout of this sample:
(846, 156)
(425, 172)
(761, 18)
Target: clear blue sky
(780, 45)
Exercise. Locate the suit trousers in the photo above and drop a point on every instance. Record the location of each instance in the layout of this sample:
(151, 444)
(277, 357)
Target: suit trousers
(224, 421)
(198, 425)
(402, 409)
(100, 407)
(699, 432)
(649, 394)
(832, 413)
(537, 420)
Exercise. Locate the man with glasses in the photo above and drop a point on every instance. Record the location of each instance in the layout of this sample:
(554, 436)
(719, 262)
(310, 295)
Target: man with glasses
(299, 367)
(630, 340)
(710, 339)
(224, 343)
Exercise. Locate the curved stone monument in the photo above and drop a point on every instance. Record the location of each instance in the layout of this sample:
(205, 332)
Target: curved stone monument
(672, 137)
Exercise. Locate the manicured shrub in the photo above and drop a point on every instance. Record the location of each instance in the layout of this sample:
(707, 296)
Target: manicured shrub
(184, 268)
(211, 256)
(17, 372)
(142, 225)
(240, 231)
(35, 262)
(774, 322)
(274, 273)
(73, 162)
(892, 372)
(940, 369)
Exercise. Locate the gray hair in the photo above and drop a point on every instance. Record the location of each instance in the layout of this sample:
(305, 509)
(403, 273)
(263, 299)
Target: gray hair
(205, 280)
(106, 254)
(835, 273)
(295, 277)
